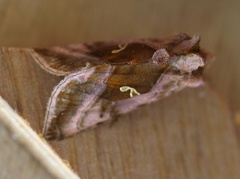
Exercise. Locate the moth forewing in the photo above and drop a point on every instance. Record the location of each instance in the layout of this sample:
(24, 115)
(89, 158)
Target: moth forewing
(106, 79)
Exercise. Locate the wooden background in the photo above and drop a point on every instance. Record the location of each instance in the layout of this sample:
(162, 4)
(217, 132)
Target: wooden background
(192, 134)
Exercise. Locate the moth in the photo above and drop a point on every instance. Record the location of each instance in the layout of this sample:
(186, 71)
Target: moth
(106, 79)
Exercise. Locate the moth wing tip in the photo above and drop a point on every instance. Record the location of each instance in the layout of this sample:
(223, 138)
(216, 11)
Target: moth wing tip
(52, 133)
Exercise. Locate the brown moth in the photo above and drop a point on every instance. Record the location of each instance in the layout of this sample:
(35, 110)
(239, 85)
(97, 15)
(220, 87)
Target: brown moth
(107, 79)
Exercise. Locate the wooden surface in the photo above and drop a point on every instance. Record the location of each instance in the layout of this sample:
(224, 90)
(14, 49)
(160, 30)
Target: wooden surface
(191, 134)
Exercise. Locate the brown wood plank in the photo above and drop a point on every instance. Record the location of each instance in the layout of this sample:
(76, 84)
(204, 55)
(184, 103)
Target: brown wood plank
(186, 135)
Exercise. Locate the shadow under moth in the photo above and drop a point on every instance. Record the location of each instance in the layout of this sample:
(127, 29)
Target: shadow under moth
(107, 79)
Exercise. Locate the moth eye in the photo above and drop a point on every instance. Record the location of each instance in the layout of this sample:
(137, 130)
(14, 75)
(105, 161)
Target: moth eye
(101, 115)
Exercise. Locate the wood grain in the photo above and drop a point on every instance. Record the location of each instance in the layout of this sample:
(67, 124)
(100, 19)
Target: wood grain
(192, 134)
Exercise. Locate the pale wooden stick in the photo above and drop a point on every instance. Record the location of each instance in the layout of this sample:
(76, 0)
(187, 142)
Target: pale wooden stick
(38, 149)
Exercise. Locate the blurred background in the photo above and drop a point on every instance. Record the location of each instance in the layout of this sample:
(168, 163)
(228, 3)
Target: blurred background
(43, 23)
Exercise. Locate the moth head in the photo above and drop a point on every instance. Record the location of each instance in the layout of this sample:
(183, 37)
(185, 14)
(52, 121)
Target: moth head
(187, 63)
